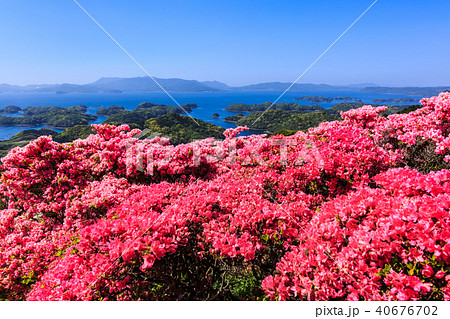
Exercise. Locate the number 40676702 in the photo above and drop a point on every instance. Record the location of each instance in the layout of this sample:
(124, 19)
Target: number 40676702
(407, 310)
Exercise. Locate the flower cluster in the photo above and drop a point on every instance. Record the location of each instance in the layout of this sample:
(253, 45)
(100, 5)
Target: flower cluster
(338, 212)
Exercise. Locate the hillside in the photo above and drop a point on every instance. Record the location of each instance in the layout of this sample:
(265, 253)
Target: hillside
(276, 120)
(182, 129)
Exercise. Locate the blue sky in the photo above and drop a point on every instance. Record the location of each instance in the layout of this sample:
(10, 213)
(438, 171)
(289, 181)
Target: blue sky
(397, 43)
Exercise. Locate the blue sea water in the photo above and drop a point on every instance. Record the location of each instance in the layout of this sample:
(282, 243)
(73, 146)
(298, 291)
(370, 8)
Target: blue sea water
(208, 102)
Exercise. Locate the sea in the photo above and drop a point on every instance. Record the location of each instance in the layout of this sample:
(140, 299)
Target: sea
(208, 103)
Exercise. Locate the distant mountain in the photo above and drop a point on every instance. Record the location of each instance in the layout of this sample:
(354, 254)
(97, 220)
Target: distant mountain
(362, 85)
(217, 85)
(139, 84)
(9, 88)
(117, 85)
(279, 86)
(27, 88)
(147, 84)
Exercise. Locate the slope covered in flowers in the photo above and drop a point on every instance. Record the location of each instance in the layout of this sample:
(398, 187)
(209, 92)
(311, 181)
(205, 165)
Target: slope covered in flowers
(351, 210)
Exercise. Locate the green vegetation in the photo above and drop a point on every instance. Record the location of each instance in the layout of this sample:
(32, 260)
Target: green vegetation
(233, 118)
(285, 132)
(145, 111)
(78, 108)
(287, 123)
(72, 133)
(280, 106)
(57, 118)
(28, 135)
(39, 110)
(113, 109)
(48, 115)
(285, 118)
(22, 138)
(147, 105)
(190, 106)
(410, 108)
(183, 129)
(276, 120)
(324, 99)
(166, 120)
(344, 107)
(180, 129)
(140, 116)
(10, 109)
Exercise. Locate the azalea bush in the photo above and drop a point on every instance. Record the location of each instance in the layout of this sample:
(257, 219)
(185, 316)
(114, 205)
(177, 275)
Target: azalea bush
(356, 209)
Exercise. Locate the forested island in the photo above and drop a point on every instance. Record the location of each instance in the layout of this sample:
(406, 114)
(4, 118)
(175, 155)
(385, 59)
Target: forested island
(399, 100)
(10, 109)
(145, 111)
(54, 118)
(324, 99)
(110, 110)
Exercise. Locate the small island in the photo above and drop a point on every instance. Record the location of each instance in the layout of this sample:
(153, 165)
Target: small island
(53, 116)
(399, 100)
(147, 110)
(113, 109)
(39, 110)
(324, 99)
(10, 109)
(215, 115)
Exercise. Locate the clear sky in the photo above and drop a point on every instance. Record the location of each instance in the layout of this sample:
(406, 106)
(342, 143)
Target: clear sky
(397, 43)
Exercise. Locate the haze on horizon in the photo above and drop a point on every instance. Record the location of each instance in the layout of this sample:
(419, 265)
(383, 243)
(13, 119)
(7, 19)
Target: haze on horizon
(397, 43)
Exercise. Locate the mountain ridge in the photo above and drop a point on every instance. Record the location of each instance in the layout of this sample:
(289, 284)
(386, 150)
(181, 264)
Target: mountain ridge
(140, 84)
